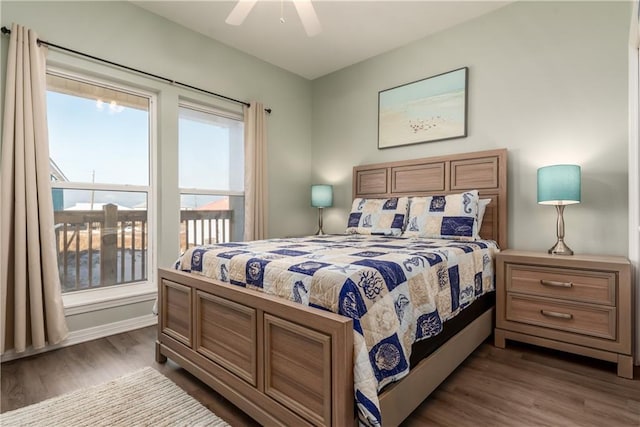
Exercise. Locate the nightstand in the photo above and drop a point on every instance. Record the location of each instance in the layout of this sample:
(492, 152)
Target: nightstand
(579, 304)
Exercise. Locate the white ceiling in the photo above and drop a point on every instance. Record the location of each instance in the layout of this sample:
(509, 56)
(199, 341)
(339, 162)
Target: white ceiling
(352, 31)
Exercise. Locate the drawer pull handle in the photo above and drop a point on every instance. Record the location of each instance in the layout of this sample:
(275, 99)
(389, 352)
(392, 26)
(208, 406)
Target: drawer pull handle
(556, 314)
(556, 284)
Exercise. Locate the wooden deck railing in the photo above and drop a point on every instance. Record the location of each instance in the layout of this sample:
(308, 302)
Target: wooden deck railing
(108, 247)
(204, 227)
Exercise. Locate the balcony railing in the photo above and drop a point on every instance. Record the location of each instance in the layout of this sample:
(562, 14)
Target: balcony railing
(109, 247)
(204, 227)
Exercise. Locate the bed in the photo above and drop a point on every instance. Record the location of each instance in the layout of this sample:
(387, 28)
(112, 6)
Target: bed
(286, 363)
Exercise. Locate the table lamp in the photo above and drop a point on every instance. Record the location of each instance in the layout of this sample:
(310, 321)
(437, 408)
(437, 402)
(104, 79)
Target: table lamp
(559, 185)
(321, 197)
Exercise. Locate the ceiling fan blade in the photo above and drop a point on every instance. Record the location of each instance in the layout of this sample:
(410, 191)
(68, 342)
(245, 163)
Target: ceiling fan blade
(308, 16)
(240, 12)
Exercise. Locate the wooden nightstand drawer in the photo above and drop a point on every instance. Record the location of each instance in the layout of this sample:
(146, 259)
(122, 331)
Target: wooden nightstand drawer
(580, 303)
(586, 319)
(576, 285)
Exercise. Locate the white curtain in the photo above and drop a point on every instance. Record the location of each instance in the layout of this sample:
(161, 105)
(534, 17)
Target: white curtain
(255, 182)
(32, 313)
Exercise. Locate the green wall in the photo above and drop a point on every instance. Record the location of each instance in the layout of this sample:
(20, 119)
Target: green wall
(547, 81)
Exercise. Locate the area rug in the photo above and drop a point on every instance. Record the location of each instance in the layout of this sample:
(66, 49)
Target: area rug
(142, 398)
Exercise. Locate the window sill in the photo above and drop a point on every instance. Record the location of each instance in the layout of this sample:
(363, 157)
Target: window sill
(112, 296)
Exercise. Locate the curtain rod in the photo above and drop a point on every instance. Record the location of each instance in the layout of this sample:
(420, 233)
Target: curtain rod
(5, 30)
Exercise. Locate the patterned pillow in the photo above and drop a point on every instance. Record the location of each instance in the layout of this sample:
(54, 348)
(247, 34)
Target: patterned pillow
(453, 216)
(378, 216)
(482, 208)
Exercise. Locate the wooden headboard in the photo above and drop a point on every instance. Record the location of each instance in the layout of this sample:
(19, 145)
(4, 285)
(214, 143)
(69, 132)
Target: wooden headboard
(485, 171)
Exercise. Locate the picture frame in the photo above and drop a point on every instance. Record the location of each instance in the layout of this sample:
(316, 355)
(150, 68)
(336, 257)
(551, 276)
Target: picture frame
(427, 110)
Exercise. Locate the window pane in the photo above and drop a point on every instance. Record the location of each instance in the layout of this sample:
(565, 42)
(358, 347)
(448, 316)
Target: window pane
(203, 202)
(101, 237)
(97, 134)
(211, 151)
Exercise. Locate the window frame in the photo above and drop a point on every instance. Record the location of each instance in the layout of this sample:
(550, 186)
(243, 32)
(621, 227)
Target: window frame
(87, 300)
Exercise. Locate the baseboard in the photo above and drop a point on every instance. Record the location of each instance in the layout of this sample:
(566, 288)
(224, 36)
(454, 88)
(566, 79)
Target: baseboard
(89, 334)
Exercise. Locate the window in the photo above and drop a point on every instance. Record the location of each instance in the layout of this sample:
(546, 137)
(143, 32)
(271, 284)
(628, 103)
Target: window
(99, 143)
(211, 175)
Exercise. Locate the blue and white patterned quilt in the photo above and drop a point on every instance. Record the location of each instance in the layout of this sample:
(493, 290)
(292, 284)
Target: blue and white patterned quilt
(397, 290)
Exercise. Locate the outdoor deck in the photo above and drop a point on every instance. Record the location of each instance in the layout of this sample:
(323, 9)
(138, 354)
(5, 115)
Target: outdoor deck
(109, 247)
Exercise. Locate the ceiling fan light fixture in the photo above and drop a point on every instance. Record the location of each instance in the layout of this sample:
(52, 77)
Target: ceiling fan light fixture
(240, 12)
(308, 16)
(305, 10)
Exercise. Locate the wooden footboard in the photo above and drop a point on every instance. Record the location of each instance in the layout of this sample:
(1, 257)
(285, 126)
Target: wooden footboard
(280, 362)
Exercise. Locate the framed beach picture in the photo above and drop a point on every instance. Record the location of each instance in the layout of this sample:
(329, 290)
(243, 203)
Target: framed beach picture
(430, 109)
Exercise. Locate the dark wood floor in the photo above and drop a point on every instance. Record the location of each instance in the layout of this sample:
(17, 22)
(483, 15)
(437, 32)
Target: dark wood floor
(519, 386)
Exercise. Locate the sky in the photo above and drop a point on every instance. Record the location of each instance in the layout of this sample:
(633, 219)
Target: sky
(85, 137)
(95, 141)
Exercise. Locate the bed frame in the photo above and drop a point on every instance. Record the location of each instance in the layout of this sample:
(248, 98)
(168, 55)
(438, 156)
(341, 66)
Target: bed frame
(287, 364)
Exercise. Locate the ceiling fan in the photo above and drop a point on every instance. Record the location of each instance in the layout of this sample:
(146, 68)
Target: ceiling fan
(305, 10)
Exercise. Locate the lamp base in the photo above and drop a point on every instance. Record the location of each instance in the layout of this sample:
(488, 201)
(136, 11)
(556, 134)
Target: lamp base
(560, 248)
(319, 232)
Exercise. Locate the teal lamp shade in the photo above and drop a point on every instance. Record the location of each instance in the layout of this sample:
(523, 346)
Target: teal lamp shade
(321, 196)
(559, 185)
